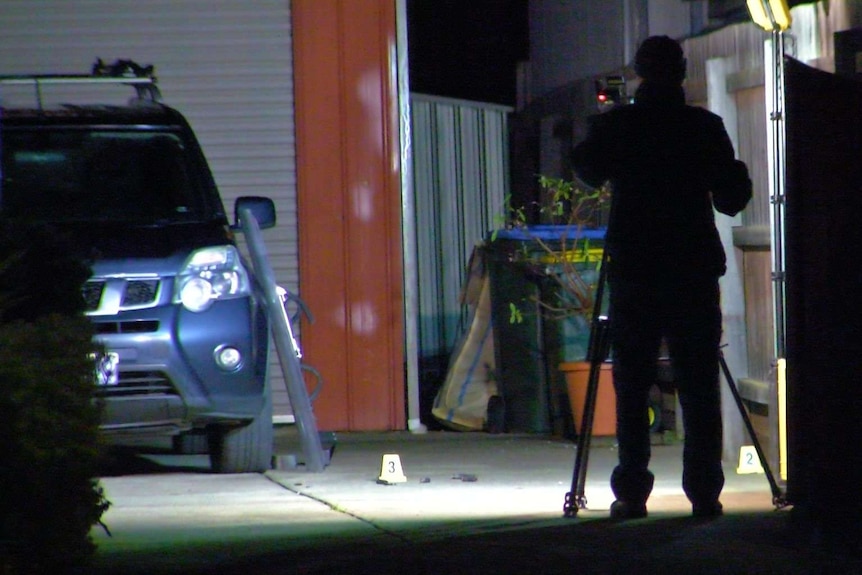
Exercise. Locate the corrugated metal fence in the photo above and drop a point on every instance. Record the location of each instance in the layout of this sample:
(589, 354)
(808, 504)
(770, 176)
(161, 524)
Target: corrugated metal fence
(461, 178)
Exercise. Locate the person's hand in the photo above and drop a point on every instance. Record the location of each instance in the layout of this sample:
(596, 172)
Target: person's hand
(732, 193)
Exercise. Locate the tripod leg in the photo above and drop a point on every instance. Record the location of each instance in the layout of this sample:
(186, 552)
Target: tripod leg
(778, 498)
(599, 349)
(576, 498)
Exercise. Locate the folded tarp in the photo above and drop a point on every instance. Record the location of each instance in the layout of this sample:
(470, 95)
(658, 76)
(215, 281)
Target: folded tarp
(462, 401)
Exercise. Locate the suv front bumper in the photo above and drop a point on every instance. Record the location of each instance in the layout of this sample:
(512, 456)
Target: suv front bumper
(168, 379)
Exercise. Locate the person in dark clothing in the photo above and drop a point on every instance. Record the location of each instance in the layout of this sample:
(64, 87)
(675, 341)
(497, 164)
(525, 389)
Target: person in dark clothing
(668, 164)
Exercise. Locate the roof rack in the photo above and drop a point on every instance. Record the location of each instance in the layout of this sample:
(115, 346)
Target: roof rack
(141, 78)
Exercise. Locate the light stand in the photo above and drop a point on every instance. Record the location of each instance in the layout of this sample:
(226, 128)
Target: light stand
(774, 17)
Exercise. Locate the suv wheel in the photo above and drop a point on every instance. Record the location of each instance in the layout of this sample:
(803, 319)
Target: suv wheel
(246, 449)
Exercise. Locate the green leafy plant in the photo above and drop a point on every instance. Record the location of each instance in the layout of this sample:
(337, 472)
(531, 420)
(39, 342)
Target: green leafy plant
(49, 423)
(50, 442)
(570, 260)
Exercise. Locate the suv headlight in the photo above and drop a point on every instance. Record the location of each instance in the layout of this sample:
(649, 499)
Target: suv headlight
(208, 275)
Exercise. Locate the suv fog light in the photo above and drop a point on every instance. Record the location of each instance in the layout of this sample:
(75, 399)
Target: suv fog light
(228, 358)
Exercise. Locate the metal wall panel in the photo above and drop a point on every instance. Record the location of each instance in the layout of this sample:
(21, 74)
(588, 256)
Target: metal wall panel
(751, 127)
(350, 208)
(226, 65)
(758, 314)
(461, 177)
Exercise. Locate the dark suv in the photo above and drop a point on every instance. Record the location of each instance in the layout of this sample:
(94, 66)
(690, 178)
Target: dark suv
(175, 305)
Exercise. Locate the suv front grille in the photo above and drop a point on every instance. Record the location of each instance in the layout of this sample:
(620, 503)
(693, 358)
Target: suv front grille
(138, 383)
(140, 292)
(92, 293)
(113, 295)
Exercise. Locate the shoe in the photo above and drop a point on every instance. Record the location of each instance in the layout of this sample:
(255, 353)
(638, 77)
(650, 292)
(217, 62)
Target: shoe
(623, 510)
(707, 510)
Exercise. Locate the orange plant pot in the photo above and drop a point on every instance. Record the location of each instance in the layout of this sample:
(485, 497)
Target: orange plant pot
(577, 374)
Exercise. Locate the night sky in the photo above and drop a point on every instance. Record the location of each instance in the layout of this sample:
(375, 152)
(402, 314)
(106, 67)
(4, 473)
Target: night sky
(467, 48)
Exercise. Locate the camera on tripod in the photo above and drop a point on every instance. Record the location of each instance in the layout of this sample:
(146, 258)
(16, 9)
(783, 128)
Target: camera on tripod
(611, 92)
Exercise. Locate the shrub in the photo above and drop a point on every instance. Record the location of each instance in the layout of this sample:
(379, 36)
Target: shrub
(50, 497)
(40, 274)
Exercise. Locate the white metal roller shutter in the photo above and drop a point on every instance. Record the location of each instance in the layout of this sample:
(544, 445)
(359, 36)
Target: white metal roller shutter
(225, 64)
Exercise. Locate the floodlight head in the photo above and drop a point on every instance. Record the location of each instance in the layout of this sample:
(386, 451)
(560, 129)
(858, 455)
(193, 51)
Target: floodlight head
(771, 15)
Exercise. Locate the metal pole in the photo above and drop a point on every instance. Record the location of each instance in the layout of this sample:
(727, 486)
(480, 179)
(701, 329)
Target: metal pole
(408, 225)
(296, 391)
(777, 401)
(777, 198)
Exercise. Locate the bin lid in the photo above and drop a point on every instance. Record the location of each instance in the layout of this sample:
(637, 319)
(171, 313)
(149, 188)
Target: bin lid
(549, 232)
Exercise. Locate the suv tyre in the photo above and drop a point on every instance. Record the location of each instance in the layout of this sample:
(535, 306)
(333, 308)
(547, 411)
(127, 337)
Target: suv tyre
(246, 449)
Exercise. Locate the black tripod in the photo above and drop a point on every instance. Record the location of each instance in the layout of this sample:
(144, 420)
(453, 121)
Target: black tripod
(598, 351)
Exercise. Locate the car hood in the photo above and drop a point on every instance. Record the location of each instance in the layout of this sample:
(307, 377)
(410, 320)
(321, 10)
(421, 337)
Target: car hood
(97, 241)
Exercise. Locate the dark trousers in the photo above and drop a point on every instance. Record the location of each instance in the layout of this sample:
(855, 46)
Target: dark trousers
(686, 313)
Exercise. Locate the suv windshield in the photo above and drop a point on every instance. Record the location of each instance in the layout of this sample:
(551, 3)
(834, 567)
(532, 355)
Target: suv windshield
(96, 174)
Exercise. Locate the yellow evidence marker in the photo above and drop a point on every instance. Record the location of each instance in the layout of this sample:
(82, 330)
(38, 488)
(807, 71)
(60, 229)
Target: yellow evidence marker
(749, 462)
(390, 470)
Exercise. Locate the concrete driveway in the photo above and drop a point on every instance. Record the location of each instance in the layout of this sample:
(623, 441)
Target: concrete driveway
(470, 502)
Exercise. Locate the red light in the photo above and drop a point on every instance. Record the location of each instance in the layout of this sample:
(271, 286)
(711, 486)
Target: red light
(602, 97)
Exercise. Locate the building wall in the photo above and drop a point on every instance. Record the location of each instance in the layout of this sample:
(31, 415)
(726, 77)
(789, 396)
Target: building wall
(674, 18)
(572, 39)
(349, 208)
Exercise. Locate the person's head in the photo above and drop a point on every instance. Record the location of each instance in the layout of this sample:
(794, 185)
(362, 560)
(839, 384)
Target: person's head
(660, 60)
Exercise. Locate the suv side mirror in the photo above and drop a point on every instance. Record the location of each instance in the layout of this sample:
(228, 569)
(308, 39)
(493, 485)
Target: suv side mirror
(262, 208)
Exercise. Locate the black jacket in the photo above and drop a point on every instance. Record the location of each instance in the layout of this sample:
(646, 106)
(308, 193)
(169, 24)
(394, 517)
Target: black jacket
(668, 165)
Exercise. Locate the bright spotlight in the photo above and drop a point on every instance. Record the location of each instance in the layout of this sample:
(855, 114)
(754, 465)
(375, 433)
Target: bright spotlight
(771, 15)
